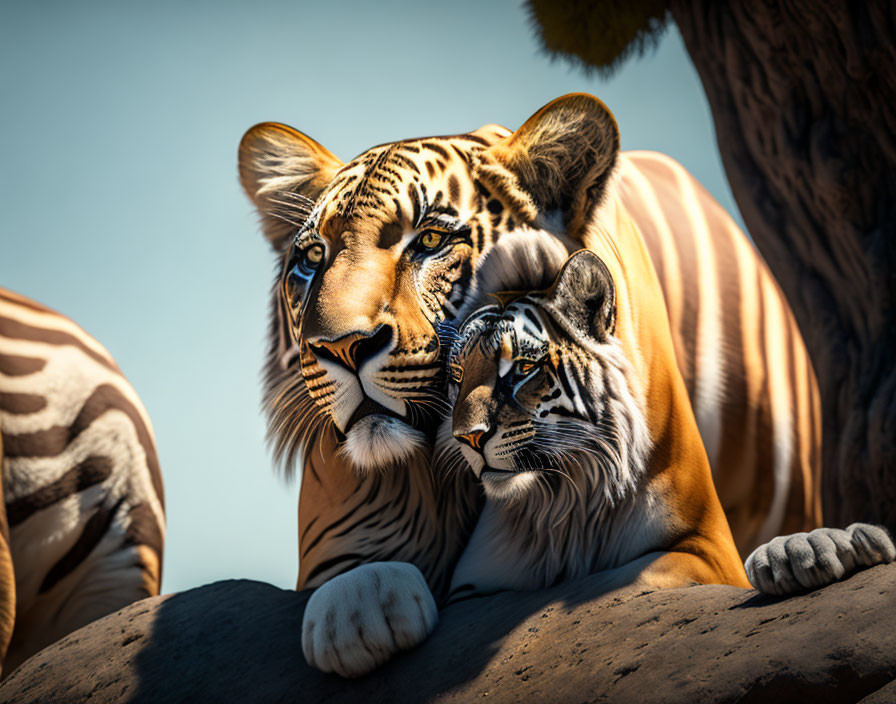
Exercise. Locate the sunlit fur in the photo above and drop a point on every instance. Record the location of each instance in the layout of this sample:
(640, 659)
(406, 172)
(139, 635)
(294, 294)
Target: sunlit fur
(378, 441)
(573, 450)
(376, 282)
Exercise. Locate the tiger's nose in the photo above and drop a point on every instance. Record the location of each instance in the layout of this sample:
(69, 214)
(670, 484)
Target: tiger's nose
(352, 350)
(473, 438)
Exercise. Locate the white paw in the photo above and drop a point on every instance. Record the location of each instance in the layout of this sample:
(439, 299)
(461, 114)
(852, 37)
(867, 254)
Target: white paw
(794, 563)
(358, 620)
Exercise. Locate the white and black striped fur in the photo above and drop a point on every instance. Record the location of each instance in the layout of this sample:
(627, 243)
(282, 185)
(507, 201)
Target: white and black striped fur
(81, 481)
(556, 434)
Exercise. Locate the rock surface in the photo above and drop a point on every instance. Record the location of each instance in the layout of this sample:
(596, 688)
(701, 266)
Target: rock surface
(238, 641)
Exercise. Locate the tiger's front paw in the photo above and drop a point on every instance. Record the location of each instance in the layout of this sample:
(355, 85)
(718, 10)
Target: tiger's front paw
(795, 563)
(358, 620)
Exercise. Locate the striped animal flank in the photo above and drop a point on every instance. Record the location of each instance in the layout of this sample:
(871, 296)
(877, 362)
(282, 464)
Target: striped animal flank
(81, 479)
(740, 353)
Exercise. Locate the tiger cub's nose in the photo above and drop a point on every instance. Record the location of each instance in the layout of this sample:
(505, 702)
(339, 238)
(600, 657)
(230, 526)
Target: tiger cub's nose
(352, 350)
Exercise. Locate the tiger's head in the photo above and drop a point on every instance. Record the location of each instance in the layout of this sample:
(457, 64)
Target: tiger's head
(379, 255)
(541, 390)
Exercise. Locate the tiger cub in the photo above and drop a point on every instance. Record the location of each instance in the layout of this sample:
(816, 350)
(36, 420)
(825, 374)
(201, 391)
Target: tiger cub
(546, 413)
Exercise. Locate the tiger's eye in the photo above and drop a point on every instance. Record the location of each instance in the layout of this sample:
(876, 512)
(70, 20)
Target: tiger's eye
(523, 367)
(456, 373)
(314, 255)
(431, 239)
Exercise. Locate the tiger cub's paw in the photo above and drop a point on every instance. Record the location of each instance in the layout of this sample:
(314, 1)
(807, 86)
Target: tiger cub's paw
(790, 564)
(359, 620)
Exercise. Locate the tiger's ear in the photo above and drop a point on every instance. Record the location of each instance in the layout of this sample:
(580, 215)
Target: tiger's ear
(585, 295)
(562, 156)
(283, 172)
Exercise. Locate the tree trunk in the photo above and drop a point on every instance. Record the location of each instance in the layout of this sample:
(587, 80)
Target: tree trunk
(803, 94)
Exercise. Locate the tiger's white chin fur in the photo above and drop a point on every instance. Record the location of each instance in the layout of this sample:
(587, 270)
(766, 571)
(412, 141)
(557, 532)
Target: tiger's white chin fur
(378, 442)
(507, 487)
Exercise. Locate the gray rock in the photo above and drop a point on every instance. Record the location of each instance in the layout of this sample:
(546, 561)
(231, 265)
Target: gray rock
(239, 641)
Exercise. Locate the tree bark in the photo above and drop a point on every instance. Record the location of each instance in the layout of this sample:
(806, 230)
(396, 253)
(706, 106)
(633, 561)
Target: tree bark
(803, 94)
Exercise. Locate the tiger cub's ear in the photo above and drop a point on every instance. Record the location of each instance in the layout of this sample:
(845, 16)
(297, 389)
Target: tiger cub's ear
(283, 172)
(562, 157)
(585, 295)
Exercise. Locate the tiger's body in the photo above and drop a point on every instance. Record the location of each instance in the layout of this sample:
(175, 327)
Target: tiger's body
(738, 348)
(380, 257)
(82, 490)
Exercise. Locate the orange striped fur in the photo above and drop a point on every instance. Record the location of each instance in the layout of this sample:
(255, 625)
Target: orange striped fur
(744, 364)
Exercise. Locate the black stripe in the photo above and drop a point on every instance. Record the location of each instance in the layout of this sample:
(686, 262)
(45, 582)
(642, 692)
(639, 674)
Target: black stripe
(527, 311)
(94, 470)
(16, 330)
(411, 368)
(478, 236)
(401, 381)
(53, 441)
(409, 163)
(19, 300)
(350, 528)
(415, 202)
(353, 558)
(438, 149)
(307, 530)
(96, 527)
(564, 382)
(21, 404)
(14, 365)
(461, 153)
(332, 527)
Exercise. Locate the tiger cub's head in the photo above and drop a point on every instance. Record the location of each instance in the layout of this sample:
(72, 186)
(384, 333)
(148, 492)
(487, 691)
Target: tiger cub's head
(379, 256)
(540, 389)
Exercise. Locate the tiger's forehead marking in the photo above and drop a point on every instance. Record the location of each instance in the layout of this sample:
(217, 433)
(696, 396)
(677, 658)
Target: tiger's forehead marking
(505, 335)
(395, 188)
(529, 337)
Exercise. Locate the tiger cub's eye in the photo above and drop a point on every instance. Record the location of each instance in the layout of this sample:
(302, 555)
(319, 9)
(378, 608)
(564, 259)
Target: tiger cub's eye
(524, 366)
(314, 255)
(431, 239)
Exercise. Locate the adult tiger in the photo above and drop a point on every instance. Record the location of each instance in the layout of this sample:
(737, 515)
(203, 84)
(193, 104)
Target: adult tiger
(82, 523)
(379, 253)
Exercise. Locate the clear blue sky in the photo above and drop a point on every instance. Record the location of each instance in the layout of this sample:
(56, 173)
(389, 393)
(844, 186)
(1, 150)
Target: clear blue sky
(121, 205)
